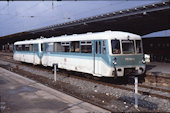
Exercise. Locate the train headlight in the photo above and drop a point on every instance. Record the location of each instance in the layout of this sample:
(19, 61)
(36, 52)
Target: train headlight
(114, 60)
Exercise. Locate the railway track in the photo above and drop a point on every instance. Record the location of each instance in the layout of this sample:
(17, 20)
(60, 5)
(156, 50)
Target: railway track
(143, 89)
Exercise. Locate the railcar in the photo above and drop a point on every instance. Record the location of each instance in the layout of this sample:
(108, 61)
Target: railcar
(102, 54)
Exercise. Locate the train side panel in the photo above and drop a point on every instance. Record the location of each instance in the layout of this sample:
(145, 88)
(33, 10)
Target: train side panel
(77, 63)
(28, 56)
(24, 57)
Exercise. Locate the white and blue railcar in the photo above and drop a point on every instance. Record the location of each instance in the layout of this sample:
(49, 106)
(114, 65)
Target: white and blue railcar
(108, 54)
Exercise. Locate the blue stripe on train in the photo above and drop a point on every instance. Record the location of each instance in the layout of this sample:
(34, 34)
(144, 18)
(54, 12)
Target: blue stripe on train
(107, 59)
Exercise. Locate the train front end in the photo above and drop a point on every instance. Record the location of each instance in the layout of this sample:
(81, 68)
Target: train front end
(127, 57)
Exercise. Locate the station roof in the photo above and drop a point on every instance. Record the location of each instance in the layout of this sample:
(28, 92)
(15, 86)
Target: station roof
(139, 20)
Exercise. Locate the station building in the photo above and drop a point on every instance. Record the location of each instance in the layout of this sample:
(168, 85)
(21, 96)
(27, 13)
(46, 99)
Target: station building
(157, 45)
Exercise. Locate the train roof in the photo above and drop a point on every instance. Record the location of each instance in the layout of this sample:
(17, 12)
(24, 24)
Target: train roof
(80, 37)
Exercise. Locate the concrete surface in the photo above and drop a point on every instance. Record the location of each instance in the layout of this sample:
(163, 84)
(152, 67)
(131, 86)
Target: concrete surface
(22, 95)
(158, 68)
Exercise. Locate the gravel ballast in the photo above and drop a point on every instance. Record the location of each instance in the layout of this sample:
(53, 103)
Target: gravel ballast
(109, 97)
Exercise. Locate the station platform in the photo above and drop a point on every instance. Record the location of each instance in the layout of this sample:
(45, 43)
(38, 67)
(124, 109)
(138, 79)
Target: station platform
(158, 68)
(22, 95)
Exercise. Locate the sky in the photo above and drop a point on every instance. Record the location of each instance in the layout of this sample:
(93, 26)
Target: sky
(19, 16)
(164, 33)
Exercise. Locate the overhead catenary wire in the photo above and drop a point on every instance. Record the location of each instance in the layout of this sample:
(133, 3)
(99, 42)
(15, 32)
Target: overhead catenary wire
(49, 9)
(52, 8)
(54, 20)
(19, 14)
(69, 18)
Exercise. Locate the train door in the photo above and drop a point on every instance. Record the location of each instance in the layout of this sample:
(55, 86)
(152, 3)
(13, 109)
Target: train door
(44, 54)
(35, 55)
(97, 57)
(41, 52)
(48, 48)
(31, 50)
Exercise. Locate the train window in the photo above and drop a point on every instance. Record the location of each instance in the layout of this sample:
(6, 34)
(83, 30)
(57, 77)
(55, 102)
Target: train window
(49, 47)
(19, 47)
(104, 47)
(86, 43)
(138, 46)
(23, 48)
(42, 48)
(86, 46)
(65, 43)
(45, 46)
(27, 47)
(58, 47)
(115, 46)
(128, 46)
(75, 46)
(35, 47)
(96, 47)
(31, 47)
(61, 46)
(55, 46)
(99, 47)
(65, 46)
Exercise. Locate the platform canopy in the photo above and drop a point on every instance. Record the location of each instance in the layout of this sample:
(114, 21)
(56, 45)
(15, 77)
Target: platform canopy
(139, 20)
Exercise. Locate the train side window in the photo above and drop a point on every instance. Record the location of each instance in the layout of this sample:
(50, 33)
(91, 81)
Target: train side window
(27, 47)
(49, 47)
(42, 48)
(23, 47)
(86, 46)
(99, 47)
(104, 47)
(75, 46)
(31, 47)
(66, 46)
(55, 46)
(58, 47)
(96, 47)
(35, 47)
(116, 46)
(19, 47)
(138, 46)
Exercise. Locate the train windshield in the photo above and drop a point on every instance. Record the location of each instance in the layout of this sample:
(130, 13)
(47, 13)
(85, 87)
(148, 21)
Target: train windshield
(115, 46)
(128, 47)
(138, 46)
